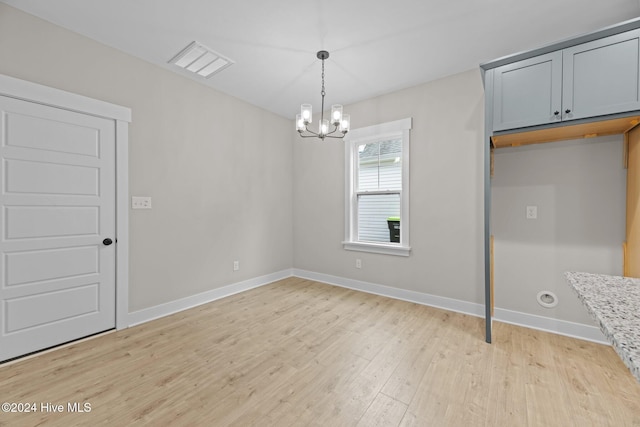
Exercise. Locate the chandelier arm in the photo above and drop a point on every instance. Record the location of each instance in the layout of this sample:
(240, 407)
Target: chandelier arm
(317, 135)
(335, 136)
(306, 129)
(335, 129)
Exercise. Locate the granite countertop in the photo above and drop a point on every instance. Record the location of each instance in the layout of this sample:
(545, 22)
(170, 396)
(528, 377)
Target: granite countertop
(615, 304)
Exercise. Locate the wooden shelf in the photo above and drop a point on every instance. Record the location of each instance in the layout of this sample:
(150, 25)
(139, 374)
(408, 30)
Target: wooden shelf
(632, 244)
(562, 133)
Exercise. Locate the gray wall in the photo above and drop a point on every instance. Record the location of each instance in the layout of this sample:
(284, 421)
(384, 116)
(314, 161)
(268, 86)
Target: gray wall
(579, 188)
(231, 181)
(446, 196)
(218, 169)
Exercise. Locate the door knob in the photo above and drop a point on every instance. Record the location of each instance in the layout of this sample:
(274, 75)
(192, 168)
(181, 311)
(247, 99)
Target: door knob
(107, 241)
(555, 113)
(567, 111)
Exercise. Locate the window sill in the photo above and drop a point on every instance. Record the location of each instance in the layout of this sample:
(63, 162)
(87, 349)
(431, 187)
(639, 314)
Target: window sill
(377, 248)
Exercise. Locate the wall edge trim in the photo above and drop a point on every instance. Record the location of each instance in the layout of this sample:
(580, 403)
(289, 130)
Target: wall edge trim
(166, 309)
(546, 324)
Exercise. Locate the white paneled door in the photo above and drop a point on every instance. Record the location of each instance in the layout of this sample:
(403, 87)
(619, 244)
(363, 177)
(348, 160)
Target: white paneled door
(57, 248)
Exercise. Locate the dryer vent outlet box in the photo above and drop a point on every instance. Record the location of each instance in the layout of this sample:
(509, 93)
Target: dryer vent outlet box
(547, 299)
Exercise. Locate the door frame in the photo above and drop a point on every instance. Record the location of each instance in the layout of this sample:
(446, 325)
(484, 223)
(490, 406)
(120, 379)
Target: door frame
(44, 95)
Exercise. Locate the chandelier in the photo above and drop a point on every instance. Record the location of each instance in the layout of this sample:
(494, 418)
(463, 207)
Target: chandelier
(339, 121)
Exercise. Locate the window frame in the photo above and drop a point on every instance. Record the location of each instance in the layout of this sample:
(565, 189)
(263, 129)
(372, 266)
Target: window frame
(355, 138)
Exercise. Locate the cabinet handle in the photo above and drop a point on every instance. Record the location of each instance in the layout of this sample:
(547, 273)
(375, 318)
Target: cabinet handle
(567, 111)
(555, 113)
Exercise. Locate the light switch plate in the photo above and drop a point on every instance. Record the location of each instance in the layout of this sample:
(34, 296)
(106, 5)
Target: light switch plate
(140, 202)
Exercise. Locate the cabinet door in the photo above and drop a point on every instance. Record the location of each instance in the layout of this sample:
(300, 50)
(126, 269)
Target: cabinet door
(528, 92)
(601, 77)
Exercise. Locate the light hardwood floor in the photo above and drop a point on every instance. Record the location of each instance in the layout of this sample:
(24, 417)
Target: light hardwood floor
(298, 353)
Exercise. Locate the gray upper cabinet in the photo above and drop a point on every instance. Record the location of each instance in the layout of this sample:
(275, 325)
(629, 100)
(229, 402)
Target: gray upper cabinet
(601, 77)
(528, 93)
(587, 80)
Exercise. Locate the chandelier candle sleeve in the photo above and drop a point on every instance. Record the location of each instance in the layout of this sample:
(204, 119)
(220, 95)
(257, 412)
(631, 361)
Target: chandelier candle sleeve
(336, 114)
(324, 127)
(340, 121)
(345, 123)
(307, 114)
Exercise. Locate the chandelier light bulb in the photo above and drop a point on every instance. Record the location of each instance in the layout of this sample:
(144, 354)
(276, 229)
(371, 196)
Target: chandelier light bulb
(336, 114)
(306, 111)
(324, 127)
(345, 123)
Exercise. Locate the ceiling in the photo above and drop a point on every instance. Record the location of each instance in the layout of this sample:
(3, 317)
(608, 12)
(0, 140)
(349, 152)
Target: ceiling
(376, 46)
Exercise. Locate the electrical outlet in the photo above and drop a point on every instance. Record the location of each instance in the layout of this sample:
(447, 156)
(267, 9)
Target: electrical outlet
(358, 263)
(140, 202)
(532, 212)
(236, 265)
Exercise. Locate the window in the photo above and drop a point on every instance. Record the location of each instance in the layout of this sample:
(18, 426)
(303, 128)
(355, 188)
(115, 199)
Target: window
(377, 188)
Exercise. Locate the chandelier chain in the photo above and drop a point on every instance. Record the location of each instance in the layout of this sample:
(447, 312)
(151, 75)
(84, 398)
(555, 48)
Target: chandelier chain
(322, 92)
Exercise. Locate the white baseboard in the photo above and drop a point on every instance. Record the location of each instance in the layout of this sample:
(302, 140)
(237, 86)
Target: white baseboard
(548, 324)
(450, 304)
(155, 312)
(560, 327)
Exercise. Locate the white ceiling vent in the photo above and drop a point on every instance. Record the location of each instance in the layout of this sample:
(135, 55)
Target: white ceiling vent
(200, 60)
